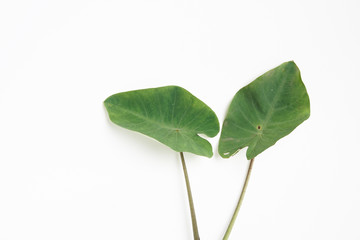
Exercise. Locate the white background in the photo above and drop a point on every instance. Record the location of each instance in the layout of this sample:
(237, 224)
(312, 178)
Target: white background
(67, 172)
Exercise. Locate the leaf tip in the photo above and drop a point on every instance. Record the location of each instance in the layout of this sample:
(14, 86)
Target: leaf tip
(107, 101)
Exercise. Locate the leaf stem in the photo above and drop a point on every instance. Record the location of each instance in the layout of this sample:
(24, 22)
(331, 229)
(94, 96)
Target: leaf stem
(228, 231)
(191, 203)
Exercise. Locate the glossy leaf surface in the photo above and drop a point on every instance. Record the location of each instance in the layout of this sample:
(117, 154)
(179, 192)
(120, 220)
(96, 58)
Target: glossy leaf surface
(264, 111)
(171, 115)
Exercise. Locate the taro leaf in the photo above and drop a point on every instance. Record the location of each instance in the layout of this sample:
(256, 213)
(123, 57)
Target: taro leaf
(264, 111)
(171, 115)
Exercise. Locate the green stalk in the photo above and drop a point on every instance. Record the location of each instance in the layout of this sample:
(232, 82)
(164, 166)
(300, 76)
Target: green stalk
(191, 203)
(228, 231)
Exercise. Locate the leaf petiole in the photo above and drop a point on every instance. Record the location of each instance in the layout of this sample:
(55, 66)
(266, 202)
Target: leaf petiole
(228, 231)
(191, 203)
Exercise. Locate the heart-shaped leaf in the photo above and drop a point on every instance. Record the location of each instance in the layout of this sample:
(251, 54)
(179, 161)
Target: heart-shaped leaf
(264, 111)
(171, 115)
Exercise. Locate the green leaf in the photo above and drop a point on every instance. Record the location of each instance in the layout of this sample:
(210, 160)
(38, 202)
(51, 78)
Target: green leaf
(264, 111)
(171, 115)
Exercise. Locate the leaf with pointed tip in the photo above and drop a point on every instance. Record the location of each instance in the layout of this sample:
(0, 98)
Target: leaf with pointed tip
(264, 111)
(171, 115)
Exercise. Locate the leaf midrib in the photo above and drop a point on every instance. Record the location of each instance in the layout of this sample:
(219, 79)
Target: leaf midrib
(148, 119)
(269, 113)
